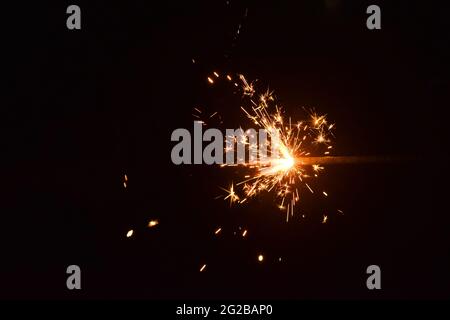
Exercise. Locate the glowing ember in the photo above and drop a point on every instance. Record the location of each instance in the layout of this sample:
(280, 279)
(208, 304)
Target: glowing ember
(153, 223)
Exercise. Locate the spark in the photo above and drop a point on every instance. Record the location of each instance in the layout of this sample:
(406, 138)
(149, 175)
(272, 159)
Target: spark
(325, 194)
(229, 77)
(260, 258)
(248, 89)
(130, 233)
(218, 231)
(325, 218)
(125, 177)
(216, 74)
(203, 268)
(244, 233)
(231, 195)
(320, 139)
(210, 80)
(153, 223)
(317, 167)
(213, 115)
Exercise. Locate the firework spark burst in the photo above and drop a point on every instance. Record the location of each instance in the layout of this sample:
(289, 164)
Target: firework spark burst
(294, 147)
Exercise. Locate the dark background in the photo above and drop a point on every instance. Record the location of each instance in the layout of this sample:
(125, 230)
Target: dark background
(85, 107)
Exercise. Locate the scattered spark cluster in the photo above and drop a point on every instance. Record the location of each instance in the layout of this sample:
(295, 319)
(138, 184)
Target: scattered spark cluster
(151, 223)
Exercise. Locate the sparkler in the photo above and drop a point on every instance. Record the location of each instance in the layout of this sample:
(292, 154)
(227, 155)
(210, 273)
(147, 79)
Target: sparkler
(294, 149)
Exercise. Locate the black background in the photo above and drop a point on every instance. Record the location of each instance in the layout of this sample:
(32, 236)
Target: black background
(85, 107)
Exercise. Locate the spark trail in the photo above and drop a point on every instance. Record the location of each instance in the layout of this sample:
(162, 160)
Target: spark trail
(345, 160)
